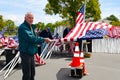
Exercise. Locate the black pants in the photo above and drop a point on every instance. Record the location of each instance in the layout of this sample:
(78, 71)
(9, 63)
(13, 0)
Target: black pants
(39, 50)
(80, 44)
(28, 66)
(89, 45)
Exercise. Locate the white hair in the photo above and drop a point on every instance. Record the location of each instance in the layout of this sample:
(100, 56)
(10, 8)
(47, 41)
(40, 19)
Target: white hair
(28, 13)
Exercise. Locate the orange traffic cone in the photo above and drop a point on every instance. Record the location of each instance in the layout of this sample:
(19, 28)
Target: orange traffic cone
(38, 59)
(76, 58)
(82, 63)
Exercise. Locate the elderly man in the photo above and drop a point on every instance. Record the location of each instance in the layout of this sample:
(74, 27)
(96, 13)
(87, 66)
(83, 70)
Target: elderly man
(28, 41)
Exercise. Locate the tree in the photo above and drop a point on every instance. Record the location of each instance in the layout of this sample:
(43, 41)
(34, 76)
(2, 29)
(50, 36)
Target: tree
(40, 25)
(51, 26)
(67, 9)
(10, 26)
(93, 10)
(2, 23)
(112, 18)
(115, 23)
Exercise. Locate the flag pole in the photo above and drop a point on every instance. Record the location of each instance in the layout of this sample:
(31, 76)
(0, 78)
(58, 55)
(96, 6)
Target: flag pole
(84, 19)
(85, 8)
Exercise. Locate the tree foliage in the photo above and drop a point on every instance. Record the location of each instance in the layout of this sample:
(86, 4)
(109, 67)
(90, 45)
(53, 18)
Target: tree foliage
(9, 24)
(40, 25)
(93, 10)
(51, 26)
(67, 9)
(2, 23)
(114, 20)
(115, 23)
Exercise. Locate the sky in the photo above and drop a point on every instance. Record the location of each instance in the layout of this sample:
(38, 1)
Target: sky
(16, 10)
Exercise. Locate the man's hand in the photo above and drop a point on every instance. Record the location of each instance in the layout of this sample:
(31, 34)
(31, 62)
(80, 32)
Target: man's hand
(47, 40)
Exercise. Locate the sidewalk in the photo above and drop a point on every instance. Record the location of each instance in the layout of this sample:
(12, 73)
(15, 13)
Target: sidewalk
(101, 66)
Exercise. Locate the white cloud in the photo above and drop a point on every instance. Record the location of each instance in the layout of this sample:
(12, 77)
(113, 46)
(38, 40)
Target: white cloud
(49, 19)
(16, 12)
(16, 18)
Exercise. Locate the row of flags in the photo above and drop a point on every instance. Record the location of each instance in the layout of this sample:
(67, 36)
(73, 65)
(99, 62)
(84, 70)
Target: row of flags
(8, 42)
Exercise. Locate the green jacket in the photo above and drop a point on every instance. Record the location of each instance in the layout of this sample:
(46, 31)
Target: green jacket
(28, 40)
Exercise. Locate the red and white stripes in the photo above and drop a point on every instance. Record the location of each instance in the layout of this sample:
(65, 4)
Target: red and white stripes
(81, 28)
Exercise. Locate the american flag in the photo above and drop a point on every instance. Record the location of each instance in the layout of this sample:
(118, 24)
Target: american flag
(81, 27)
(95, 34)
(80, 17)
(114, 33)
(80, 30)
